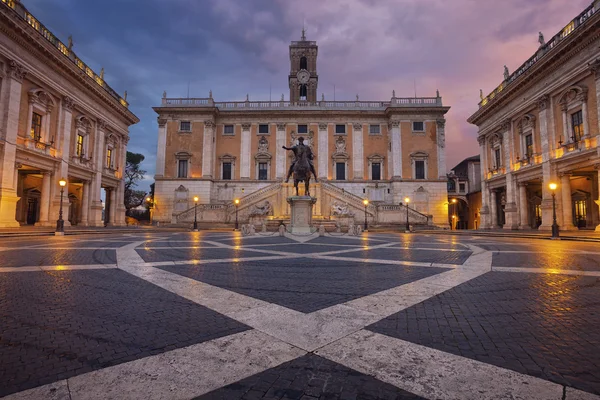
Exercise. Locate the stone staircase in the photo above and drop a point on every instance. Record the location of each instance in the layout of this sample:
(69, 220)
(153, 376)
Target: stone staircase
(349, 198)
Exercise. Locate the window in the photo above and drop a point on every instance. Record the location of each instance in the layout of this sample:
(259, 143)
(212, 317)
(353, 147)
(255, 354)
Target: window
(461, 187)
(36, 126)
(376, 171)
(451, 186)
(302, 92)
(303, 63)
(497, 158)
(228, 130)
(340, 129)
(528, 146)
(109, 162)
(79, 146)
(419, 169)
(340, 171)
(577, 120)
(418, 126)
(226, 171)
(185, 126)
(262, 171)
(374, 130)
(263, 128)
(302, 128)
(182, 168)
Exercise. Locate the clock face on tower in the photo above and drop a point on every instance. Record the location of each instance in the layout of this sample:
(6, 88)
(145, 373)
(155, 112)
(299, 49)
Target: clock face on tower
(303, 76)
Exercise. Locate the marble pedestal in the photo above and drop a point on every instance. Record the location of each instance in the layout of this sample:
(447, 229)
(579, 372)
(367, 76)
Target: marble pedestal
(301, 213)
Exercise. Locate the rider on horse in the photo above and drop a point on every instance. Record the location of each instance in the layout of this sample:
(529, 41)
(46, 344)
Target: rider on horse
(298, 150)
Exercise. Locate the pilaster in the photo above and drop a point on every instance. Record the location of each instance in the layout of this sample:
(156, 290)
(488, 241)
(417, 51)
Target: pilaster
(484, 213)
(441, 148)
(394, 127)
(323, 160)
(208, 163)
(245, 152)
(358, 162)
(162, 147)
(566, 202)
(523, 207)
(280, 152)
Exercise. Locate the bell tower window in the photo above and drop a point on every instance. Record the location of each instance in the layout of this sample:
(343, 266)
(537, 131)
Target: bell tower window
(303, 63)
(302, 92)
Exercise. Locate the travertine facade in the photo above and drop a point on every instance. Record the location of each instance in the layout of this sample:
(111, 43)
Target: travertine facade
(541, 125)
(379, 150)
(58, 119)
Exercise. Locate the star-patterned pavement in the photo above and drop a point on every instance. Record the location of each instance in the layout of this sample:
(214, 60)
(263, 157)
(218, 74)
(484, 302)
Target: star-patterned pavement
(182, 315)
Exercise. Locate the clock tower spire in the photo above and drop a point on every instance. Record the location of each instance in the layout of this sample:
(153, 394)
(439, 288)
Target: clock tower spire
(303, 76)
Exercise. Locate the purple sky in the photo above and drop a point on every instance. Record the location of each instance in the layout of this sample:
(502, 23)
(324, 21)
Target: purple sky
(366, 47)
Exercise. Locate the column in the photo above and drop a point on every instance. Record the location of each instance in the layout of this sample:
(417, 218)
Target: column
(8, 193)
(597, 167)
(566, 203)
(396, 136)
(510, 208)
(208, 163)
(323, 152)
(566, 133)
(547, 137)
(484, 221)
(595, 68)
(280, 152)
(162, 147)
(584, 115)
(358, 162)
(95, 217)
(245, 152)
(64, 138)
(120, 204)
(523, 207)
(441, 148)
(113, 206)
(85, 200)
(45, 200)
(493, 210)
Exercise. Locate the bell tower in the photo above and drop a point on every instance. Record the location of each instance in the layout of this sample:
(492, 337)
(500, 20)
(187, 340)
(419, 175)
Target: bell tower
(303, 77)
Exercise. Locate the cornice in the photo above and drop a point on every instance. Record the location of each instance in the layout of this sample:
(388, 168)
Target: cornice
(564, 51)
(20, 32)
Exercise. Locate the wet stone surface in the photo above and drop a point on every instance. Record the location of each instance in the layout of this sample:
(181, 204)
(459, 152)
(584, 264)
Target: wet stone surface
(537, 324)
(304, 284)
(309, 377)
(54, 325)
(36, 257)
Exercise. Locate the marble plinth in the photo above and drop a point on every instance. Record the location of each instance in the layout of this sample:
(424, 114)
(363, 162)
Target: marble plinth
(301, 213)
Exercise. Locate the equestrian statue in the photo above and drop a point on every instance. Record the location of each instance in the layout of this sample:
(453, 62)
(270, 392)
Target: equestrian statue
(302, 165)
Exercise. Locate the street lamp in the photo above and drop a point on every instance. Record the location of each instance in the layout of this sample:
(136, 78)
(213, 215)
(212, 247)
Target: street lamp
(453, 212)
(552, 187)
(407, 200)
(237, 204)
(366, 203)
(60, 224)
(195, 213)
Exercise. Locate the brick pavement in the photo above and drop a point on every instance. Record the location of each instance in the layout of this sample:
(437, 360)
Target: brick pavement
(555, 259)
(64, 323)
(309, 378)
(303, 284)
(396, 254)
(536, 324)
(150, 255)
(35, 257)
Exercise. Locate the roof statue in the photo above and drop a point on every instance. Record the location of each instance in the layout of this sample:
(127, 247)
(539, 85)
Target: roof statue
(506, 73)
(541, 39)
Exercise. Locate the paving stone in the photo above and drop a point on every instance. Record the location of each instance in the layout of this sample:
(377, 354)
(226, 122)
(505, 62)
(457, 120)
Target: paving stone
(326, 380)
(545, 325)
(59, 324)
(399, 254)
(302, 284)
(36, 257)
(150, 255)
(548, 260)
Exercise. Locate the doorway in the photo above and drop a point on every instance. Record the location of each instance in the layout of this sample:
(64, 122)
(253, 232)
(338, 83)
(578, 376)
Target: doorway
(32, 211)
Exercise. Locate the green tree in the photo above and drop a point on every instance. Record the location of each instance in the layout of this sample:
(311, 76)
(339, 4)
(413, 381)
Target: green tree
(133, 174)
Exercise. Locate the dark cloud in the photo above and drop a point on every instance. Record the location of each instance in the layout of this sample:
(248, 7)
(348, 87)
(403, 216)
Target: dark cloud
(367, 47)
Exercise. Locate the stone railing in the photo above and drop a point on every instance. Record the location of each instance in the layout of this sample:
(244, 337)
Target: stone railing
(40, 147)
(82, 161)
(188, 215)
(414, 216)
(262, 105)
(545, 48)
(350, 198)
(254, 197)
(25, 15)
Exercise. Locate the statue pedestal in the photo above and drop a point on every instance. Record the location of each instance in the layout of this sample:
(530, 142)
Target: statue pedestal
(301, 210)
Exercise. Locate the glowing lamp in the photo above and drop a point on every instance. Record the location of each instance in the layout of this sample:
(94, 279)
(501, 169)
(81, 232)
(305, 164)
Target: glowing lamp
(552, 186)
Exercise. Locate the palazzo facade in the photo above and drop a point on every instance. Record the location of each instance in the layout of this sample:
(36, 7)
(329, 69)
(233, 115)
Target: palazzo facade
(541, 125)
(58, 119)
(382, 151)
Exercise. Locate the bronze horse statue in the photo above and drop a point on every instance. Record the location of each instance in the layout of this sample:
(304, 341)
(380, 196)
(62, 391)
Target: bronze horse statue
(302, 166)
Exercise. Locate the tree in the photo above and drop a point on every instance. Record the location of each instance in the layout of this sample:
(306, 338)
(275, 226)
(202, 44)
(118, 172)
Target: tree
(133, 174)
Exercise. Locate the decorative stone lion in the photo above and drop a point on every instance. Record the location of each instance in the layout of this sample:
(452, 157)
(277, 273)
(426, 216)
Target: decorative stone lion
(265, 209)
(338, 209)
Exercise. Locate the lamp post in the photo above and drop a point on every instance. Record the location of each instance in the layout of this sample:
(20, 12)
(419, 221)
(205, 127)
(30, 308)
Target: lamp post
(60, 224)
(555, 234)
(195, 213)
(406, 201)
(366, 203)
(453, 212)
(237, 204)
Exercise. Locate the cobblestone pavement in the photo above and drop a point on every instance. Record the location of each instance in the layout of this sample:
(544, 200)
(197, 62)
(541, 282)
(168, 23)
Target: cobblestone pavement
(217, 315)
